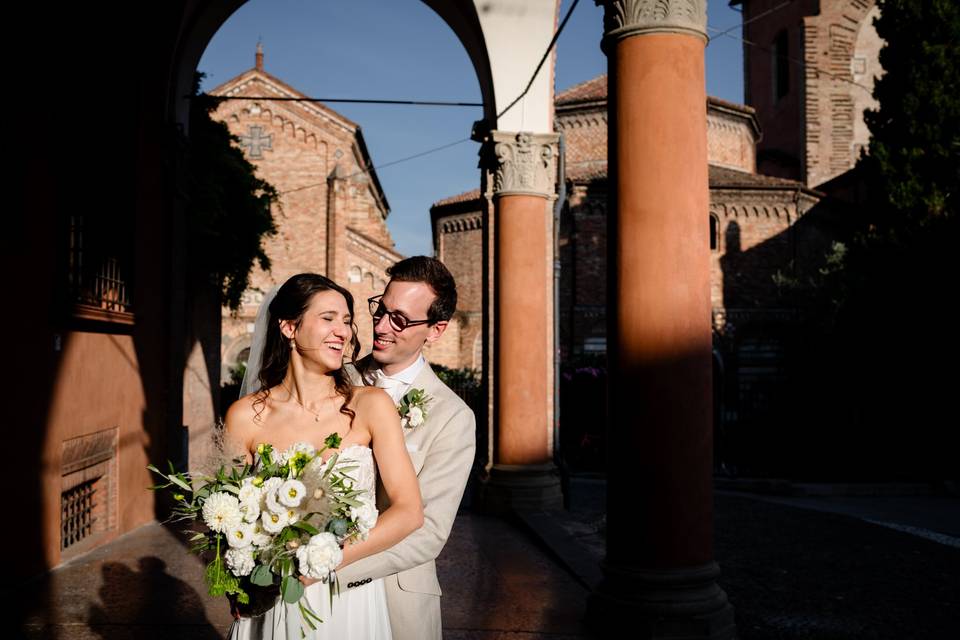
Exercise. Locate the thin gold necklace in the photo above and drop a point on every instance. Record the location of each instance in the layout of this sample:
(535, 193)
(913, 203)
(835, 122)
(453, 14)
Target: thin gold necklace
(316, 416)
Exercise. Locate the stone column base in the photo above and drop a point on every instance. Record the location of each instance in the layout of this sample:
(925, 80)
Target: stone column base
(674, 604)
(513, 487)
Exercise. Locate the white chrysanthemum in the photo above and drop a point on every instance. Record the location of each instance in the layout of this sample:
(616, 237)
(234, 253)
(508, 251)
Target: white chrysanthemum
(221, 511)
(260, 538)
(240, 536)
(291, 493)
(365, 516)
(415, 416)
(274, 522)
(240, 561)
(320, 556)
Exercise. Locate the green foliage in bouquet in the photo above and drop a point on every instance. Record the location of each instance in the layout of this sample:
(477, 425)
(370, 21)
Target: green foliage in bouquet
(268, 561)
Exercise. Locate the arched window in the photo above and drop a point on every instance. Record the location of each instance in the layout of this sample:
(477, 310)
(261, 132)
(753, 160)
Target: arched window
(714, 233)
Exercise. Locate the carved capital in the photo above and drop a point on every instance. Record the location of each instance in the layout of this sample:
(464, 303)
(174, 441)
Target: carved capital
(625, 18)
(522, 163)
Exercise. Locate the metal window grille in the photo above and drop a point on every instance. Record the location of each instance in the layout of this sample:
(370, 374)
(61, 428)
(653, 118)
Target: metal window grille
(77, 513)
(97, 276)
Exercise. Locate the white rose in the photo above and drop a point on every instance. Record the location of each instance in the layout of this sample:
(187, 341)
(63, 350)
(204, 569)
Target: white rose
(320, 556)
(240, 536)
(291, 493)
(240, 561)
(274, 522)
(415, 416)
(365, 516)
(221, 511)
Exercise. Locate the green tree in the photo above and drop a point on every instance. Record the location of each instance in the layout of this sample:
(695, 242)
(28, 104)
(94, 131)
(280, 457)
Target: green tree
(914, 159)
(872, 384)
(895, 322)
(228, 206)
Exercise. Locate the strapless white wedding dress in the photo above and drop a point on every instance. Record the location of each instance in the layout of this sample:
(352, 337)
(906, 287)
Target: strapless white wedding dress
(359, 613)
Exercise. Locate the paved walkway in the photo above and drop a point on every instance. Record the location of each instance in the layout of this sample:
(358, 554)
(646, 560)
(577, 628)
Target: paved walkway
(497, 583)
(794, 568)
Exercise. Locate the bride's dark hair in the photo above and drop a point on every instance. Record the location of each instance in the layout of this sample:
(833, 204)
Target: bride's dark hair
(291, 303)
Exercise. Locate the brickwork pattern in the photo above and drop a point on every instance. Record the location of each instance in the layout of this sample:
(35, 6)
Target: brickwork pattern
(816, 132)
(331, 215)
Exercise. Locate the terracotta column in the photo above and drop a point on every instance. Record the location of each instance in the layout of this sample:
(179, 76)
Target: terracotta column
(659, 573)
(522, 169)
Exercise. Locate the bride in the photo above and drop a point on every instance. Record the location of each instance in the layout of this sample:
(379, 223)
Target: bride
(303, 395)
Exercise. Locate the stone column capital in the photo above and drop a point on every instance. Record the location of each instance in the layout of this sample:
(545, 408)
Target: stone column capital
(522, 163)
(626, 18)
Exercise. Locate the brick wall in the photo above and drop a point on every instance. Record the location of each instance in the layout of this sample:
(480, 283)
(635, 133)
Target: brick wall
(814, 132)
(330, 216)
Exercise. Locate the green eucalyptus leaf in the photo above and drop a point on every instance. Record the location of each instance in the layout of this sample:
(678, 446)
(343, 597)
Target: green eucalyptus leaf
(261, 576)
(292, 589)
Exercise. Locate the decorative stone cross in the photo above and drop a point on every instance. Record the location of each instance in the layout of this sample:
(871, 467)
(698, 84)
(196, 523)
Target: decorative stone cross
(257, 142)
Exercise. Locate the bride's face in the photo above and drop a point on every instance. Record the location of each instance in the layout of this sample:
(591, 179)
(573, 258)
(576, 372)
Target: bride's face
(325, 330)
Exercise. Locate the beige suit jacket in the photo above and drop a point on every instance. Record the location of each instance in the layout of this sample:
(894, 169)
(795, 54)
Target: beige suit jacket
(442, 450)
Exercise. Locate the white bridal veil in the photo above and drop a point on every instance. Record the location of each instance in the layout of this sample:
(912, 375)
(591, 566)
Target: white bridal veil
(251, 377)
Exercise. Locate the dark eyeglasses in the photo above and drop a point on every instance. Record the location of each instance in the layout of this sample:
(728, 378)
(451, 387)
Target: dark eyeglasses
(398, 321)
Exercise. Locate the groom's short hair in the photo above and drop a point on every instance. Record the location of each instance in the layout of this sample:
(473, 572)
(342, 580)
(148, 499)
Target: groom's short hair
(432, 272)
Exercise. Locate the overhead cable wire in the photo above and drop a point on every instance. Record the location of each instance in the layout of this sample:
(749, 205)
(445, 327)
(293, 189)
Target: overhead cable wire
(418, 103)
(799, 63)
(546, 54)
(419, 154)
(762, 14)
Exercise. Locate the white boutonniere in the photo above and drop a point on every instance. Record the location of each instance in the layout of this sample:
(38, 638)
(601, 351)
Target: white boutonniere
(413, 408)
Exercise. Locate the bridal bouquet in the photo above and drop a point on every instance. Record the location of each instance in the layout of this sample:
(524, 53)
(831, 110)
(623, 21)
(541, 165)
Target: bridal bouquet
(287, 515)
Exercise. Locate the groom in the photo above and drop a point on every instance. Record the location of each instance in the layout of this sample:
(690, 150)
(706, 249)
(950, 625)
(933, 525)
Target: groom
(413, 311)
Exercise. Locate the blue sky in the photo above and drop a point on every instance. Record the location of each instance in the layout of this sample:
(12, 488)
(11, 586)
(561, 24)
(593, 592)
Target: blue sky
(400, 49)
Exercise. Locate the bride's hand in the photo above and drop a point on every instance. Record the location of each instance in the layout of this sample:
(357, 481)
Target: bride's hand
(308, 581)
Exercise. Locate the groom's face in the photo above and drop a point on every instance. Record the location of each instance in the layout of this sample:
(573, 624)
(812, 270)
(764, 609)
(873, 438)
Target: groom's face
(395, 350)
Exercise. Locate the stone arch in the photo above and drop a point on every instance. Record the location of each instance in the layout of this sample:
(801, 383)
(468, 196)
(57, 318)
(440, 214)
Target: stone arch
(235, 352)
(462, 16)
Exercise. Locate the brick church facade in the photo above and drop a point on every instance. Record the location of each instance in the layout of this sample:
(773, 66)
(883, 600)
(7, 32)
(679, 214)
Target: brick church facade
(331, 214)
(773, 168)
(750, 214)
(759, 225)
